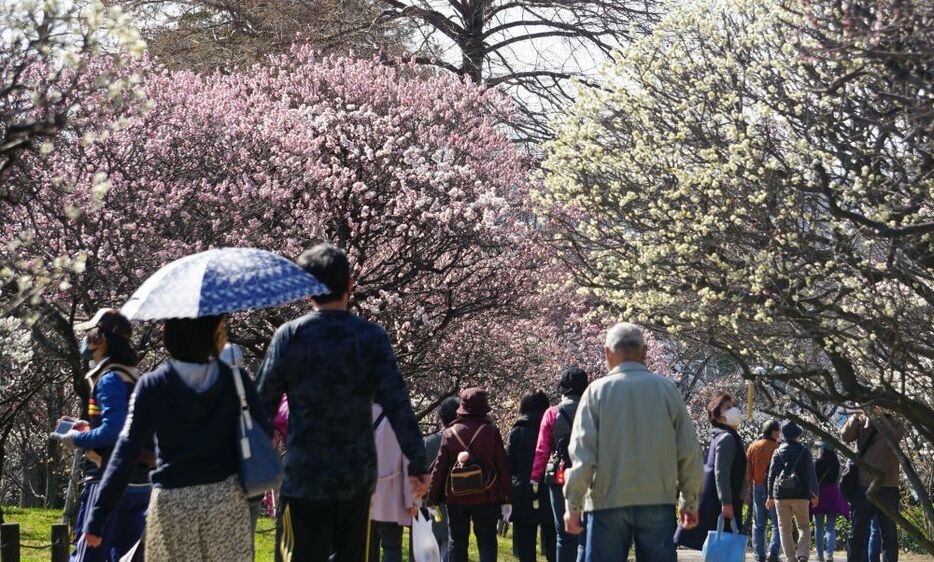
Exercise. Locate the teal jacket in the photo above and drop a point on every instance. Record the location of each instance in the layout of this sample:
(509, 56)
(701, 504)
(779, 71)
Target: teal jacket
(633, 443)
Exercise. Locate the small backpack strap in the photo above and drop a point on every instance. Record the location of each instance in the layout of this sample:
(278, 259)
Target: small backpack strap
(474, 438)
(459, 440)
(466, 446)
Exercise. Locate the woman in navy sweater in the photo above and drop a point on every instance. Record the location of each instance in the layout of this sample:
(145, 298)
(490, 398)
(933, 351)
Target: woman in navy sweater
(198, 511)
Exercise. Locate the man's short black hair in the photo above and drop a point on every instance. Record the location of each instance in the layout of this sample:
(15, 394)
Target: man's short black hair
(447, 411)
(191, 339)
(329, 265)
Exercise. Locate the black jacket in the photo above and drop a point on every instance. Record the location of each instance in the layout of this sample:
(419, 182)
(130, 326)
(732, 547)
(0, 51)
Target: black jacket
(521, 451)
(828, 468)
(793, 458)
(333, 365)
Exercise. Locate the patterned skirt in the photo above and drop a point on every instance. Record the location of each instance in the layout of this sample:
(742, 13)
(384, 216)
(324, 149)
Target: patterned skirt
(205, 523)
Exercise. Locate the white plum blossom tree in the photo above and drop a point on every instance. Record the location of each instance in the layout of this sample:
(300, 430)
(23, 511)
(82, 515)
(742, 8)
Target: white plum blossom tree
(757, 177)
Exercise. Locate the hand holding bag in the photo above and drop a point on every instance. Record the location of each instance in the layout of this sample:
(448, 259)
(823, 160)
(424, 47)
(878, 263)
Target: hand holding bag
(724, 547)
(260, 467)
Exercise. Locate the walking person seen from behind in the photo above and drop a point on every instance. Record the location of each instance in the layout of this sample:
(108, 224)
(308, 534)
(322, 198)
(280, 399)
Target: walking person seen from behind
(724, 474)
(552, 459)
(633, 453)
(830, 503)
(447, 413)
(531, 506)
(393, 505)
(334, 365)
(471, 476)
(759, 458)
(107, 347)
(199, 511)
(792, 487)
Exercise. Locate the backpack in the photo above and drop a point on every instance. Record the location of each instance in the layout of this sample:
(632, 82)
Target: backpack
(466, 478)
(789, 483)
(560, 459)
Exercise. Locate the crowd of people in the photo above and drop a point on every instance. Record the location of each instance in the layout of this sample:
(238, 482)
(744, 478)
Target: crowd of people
(614, 465)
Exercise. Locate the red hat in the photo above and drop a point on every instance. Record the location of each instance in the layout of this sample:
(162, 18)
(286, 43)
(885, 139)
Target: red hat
(474, 402)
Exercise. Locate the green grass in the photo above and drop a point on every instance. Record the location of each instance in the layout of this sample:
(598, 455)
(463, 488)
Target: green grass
(266, 536)
(35, 528)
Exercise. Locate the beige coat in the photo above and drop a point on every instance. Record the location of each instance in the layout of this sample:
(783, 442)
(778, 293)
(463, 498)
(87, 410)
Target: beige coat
(879, 454)
(633, 443)
(393, 495)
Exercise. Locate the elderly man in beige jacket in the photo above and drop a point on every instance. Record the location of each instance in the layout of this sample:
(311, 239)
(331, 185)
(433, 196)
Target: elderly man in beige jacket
(634, 453)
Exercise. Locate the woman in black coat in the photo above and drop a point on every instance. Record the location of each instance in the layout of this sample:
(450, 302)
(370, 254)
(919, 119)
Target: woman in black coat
(527, 517)
(724, 474)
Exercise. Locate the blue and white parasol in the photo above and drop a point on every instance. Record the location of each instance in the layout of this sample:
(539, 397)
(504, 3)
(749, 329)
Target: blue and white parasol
(220, 281)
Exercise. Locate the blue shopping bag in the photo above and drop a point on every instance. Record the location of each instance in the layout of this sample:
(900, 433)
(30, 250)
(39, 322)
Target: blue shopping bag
(725, 547)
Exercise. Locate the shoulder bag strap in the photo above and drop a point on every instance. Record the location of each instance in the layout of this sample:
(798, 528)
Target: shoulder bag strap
(794, 466)
(246, 420)
(873, 433)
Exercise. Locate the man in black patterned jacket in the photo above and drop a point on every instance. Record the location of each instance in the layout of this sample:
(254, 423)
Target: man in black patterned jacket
(333, 365)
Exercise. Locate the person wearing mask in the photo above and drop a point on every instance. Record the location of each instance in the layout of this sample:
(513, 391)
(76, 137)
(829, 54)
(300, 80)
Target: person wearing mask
(471, 444)
(792, 484)
(392, 506)
(447, 413)
(199, 510)
(529, 502)
(107, 348)
(724, 473)
(759, 456)
(830, 504)
(876, 452)
(633, 453)
(334, 365)
(551, 451)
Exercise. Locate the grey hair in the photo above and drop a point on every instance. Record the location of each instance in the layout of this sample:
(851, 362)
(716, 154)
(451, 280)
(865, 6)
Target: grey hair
(625, 336)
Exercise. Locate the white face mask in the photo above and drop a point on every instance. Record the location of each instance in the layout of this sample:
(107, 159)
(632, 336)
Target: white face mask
(733, 417)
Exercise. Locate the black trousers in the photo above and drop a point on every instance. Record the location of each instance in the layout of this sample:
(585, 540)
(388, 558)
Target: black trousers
(863, 512)
(525, 532)
(313, 530)
(484, 517)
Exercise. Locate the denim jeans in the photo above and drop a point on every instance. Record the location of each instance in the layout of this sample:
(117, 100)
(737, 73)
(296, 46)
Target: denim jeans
(825, 534)
(761, 516)
(875, 540)
(611, 532)
(570, 547)
(484, 518)
(863, 512)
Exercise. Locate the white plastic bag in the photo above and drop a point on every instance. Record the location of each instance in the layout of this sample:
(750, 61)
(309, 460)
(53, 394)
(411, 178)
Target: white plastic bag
(424, 543)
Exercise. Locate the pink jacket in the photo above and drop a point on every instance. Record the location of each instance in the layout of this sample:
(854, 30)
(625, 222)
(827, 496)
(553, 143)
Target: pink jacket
(543, 449)
(393, 495)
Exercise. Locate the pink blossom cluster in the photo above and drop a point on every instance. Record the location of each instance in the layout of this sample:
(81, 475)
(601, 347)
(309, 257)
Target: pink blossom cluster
(409, 174)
